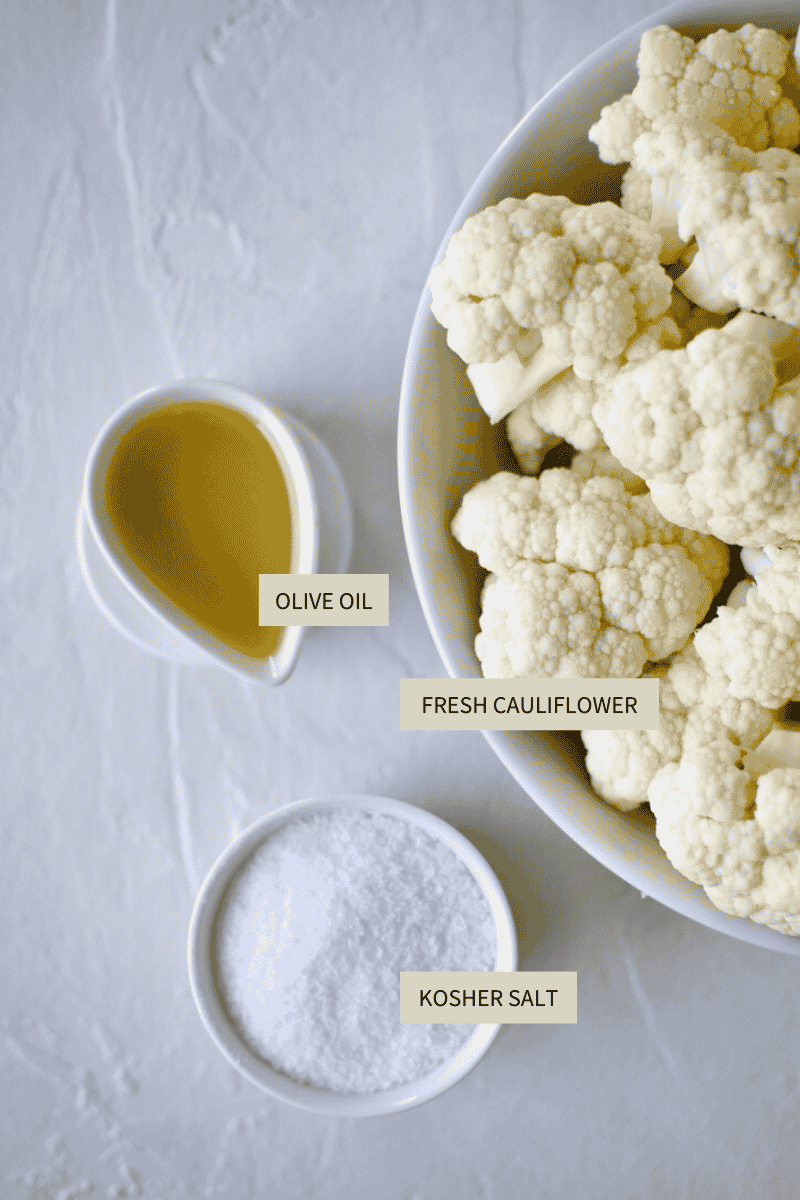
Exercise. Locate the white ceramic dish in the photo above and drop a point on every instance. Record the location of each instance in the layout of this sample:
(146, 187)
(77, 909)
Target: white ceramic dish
(321, 515)
(446, 445)
(259, 1072)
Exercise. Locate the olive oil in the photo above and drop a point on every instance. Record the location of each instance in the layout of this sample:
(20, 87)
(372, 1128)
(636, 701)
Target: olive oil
(198, 499)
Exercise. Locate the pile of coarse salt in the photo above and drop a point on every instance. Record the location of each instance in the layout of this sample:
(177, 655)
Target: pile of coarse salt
(314, 931)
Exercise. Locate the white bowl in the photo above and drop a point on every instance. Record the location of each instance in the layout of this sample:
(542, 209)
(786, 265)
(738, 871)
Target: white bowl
(229, 1041)
(446, 445)
(136, 607)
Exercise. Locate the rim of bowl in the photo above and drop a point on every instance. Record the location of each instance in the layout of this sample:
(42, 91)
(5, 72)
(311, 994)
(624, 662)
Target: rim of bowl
(615, 57)
(276, 427)
(201, 972)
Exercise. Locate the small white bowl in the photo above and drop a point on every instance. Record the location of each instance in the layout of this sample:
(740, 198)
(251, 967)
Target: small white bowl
(446, 446)
(321, 522)
(256, 1069)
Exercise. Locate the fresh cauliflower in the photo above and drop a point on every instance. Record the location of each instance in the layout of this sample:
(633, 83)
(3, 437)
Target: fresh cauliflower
(559, 541)
(562, 408)
(664, 156)
(713, 433)
(663, 159)
(529, 288)
(696, 708)
(734, 831)
(754, 649)
(559, 411)
(727, 79)
(722, 778)
(746, 225)
(539, 619)
(686, 423)
(692, 180)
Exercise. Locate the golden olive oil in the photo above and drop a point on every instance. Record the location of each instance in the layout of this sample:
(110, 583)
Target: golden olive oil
(200, 503)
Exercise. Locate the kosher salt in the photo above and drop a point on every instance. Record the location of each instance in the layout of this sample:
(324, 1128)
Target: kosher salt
(314, 931)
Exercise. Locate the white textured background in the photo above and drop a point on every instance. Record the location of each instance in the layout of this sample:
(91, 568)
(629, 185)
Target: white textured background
(255, 191)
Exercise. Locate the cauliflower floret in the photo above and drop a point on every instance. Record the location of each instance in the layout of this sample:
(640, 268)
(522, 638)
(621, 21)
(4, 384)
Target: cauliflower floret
(540, 285)
(689, 179)
(562, 408)
(618, 127)
(754, 649)
(540, 619)
(501, 519)
(733, 831)
(653, 579)
(714, 435)
(701, 805)
(663, 159)
(695, 709)
(699, 692)
(654, 595)
(778, 809)
(746, 225)
(776, 901)
(622, 762)
(727, 79)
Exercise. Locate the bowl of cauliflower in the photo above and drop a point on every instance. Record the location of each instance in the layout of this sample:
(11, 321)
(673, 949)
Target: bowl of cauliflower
(599, 452)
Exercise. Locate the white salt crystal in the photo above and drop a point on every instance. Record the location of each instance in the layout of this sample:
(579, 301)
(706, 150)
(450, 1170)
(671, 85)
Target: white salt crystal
(314, 931)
